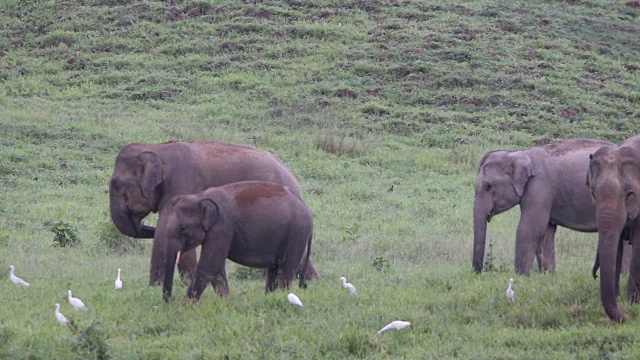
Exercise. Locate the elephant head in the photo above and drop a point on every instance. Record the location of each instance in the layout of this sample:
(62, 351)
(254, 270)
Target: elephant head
(614, 182)
(500, 184)
(188, 220)
(134, 190)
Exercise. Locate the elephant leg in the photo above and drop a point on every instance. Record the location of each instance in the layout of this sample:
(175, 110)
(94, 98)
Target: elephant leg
(158, 251)
(531, 231)
(633, 285)
(220, 283)
(187, 265)
(270, 281)
(627, 254)
(546, 250)
(619, 264)
(285, 277)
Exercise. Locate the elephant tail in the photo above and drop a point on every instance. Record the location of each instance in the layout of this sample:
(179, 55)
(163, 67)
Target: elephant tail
(303, 271)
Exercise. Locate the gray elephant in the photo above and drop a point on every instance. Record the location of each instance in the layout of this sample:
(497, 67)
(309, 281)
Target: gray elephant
(614, 182)
(255, 224)
(146, 176)
(548, 184)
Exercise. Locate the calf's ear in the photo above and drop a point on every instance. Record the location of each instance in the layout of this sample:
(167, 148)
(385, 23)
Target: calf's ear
(209, 213)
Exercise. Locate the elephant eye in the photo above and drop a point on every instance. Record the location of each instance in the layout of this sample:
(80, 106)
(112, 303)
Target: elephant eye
(487, 187)
(183, 230)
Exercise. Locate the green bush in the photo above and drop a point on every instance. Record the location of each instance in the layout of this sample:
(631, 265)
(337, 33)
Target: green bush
(114, 241)
(65, 235)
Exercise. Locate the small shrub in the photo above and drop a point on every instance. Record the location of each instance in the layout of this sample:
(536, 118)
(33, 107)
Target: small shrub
(65, 235)
(114, 241)
(91, 344)
(352, 233)
(380, 263)
(247, 273)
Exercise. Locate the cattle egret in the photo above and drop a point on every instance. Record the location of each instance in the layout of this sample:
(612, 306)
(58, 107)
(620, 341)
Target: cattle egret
(76, 303)
(118, 281)
(61, 319)
(510, 294)
(347, 285)
(294, 299)
(16, 280)
(398, 324)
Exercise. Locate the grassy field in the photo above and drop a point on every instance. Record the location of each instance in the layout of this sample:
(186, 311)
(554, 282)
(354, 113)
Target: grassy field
(353, 96)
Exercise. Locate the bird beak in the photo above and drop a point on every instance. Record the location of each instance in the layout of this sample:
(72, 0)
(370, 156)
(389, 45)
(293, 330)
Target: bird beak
(178, 257)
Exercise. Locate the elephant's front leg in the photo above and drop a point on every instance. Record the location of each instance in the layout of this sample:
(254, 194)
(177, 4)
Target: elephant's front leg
(531, 231)
(633, 285)
(546, 250)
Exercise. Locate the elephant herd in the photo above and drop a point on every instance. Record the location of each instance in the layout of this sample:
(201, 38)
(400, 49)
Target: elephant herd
(242, 203)
(581, 184)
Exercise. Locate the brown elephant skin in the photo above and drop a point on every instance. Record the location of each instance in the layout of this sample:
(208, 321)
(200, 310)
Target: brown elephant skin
(255, 224)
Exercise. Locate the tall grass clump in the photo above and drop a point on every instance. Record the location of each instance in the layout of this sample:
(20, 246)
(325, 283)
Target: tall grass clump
(341, 144)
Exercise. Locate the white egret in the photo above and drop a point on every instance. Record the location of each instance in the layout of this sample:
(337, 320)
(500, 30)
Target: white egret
(510, 294)
(294, 299)
(118, 281)
(347, 285)
(61, 319)
(76, 303)
(398, 324)
(16, 280)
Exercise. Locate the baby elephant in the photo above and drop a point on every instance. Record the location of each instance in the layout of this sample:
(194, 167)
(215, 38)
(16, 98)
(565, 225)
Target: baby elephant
(253, 223)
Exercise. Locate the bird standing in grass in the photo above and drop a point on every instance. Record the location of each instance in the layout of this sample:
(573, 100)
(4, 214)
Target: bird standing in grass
(348, 286)
(61, 318)
(76, 303)
(118, 281)
(294, 299)
(398, 324)
(16, 280)
(510, 294)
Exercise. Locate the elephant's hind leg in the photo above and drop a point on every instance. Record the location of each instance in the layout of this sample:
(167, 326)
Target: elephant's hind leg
(546, 250)
(271, 280)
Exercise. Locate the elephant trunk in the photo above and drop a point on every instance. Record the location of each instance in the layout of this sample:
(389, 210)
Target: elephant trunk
(125, 221)
(172, 251)
(481, 216)
(610, 224)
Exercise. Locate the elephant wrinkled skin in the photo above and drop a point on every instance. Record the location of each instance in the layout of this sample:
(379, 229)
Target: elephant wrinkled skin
(256, 224)
(614, 182)
(146, 176)
(548, 182)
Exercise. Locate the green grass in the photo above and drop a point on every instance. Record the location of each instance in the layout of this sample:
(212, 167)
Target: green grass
(353, 96)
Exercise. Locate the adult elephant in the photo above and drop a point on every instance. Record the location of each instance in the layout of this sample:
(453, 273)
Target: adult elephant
(548, 184)
(614, 183)
(147, 176)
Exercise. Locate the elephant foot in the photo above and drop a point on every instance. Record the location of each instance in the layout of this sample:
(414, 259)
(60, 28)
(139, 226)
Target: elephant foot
(618, 316)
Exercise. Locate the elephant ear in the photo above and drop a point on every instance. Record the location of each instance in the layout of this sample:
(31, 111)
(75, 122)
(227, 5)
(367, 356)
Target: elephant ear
(149, 176)
(209, 213)
(522, 170)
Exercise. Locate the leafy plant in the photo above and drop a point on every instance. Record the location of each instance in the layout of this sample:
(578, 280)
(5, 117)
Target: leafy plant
(65, 235)
(91, 343)
(352, 233)
(380, 263)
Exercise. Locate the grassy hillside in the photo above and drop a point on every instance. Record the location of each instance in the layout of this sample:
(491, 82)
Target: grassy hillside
(353, 96)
